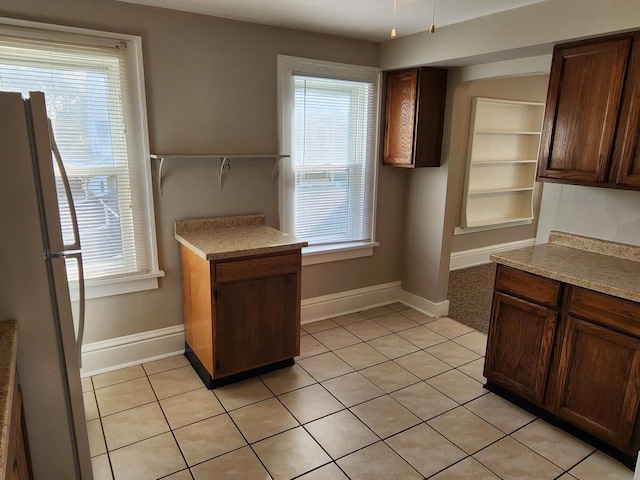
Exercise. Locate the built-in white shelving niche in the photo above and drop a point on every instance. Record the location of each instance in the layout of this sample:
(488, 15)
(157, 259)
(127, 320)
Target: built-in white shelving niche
(502, 157)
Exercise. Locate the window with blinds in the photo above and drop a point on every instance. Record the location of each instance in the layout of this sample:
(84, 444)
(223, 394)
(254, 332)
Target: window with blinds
(91, 103)
(329, 191)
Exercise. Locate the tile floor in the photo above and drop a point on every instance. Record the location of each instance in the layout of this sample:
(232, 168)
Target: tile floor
(387, 393)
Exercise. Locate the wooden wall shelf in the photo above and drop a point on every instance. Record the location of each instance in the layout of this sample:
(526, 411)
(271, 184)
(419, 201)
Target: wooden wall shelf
(224, 162)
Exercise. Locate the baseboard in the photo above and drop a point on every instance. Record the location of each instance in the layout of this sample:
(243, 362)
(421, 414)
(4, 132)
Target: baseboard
(480, 256)
(343, 303)
(433, 309)
(121, 352)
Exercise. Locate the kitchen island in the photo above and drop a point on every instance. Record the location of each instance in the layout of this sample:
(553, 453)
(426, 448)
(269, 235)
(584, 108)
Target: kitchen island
(564, 337)
(241, 296)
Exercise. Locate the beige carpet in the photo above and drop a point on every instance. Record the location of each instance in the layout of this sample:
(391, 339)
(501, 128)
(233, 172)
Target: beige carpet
(470, 294)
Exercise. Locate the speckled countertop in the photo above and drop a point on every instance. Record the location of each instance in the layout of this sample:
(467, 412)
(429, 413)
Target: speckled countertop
(599, 265)
(8, 353)
(217, 238)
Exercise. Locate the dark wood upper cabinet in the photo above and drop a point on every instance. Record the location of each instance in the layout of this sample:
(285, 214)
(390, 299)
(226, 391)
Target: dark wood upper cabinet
(592, 120)
(626, 155)
(414, 117)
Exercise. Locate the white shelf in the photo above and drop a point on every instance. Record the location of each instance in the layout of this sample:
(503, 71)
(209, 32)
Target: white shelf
(215, 156)
(501, 221)
(503, 147)
(504, 139)
(224, 162)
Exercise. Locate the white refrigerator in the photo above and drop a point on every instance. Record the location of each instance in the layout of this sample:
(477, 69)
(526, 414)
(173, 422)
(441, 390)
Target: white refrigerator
(35, 292)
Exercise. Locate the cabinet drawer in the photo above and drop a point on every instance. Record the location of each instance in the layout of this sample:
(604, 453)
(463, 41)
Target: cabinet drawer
(535, 288)
(612, 312)
(257, 267)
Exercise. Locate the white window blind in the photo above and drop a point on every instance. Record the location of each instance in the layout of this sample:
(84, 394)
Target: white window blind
(87, 89)
(329, 194)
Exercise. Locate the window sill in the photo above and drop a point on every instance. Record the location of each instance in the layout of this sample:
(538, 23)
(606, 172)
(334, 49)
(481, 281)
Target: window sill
(335, 253)
(116, 286)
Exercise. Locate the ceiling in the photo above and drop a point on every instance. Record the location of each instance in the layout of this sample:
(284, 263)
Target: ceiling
(364, 19)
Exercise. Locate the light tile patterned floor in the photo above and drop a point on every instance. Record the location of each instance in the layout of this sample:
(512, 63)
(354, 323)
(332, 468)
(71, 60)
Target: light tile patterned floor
(387, 393)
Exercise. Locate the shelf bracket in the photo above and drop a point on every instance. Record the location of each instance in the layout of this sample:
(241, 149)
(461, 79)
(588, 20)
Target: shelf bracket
(160, 165)
(225, 164)
(275, 168)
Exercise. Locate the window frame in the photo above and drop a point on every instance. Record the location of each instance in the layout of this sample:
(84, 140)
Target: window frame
(138, 135)
(287, 66)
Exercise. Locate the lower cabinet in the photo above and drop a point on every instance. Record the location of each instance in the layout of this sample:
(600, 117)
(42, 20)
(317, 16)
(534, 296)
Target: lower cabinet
(18, 460)
(578, 360)
(598, 380)
(257, 323)
(519, 347)
(240, 314)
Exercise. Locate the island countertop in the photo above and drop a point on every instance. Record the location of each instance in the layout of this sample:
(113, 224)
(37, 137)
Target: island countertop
(217, 238)
(607, 267)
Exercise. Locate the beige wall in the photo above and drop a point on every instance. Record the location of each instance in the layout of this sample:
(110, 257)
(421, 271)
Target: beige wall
(211, 88)
(517, 33)
(603, 213)
(531, 88)
(424, 263)
(512, 43)
(434, 195)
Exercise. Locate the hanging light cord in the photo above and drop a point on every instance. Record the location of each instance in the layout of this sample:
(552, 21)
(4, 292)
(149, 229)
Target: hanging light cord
(393, 30)
(433, 18)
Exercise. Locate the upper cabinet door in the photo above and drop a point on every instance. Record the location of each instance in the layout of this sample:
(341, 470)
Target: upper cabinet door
(400, 116)
(626, 156)
(583, 102)
(414, 117)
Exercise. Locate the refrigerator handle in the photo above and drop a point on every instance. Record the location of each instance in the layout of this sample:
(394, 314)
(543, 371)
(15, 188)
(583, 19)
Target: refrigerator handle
(67, 191)
(81, 297)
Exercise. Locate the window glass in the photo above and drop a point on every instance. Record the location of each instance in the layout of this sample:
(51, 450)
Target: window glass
(88, 95)
(329, 181)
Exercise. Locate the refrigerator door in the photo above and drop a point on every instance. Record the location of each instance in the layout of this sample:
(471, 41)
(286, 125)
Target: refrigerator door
(34, 291)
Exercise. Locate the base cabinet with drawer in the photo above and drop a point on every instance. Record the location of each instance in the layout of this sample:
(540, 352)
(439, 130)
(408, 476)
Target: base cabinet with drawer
(568, 351)
(597, 383)
(597, 386)
(18, 461)
(241, 314)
